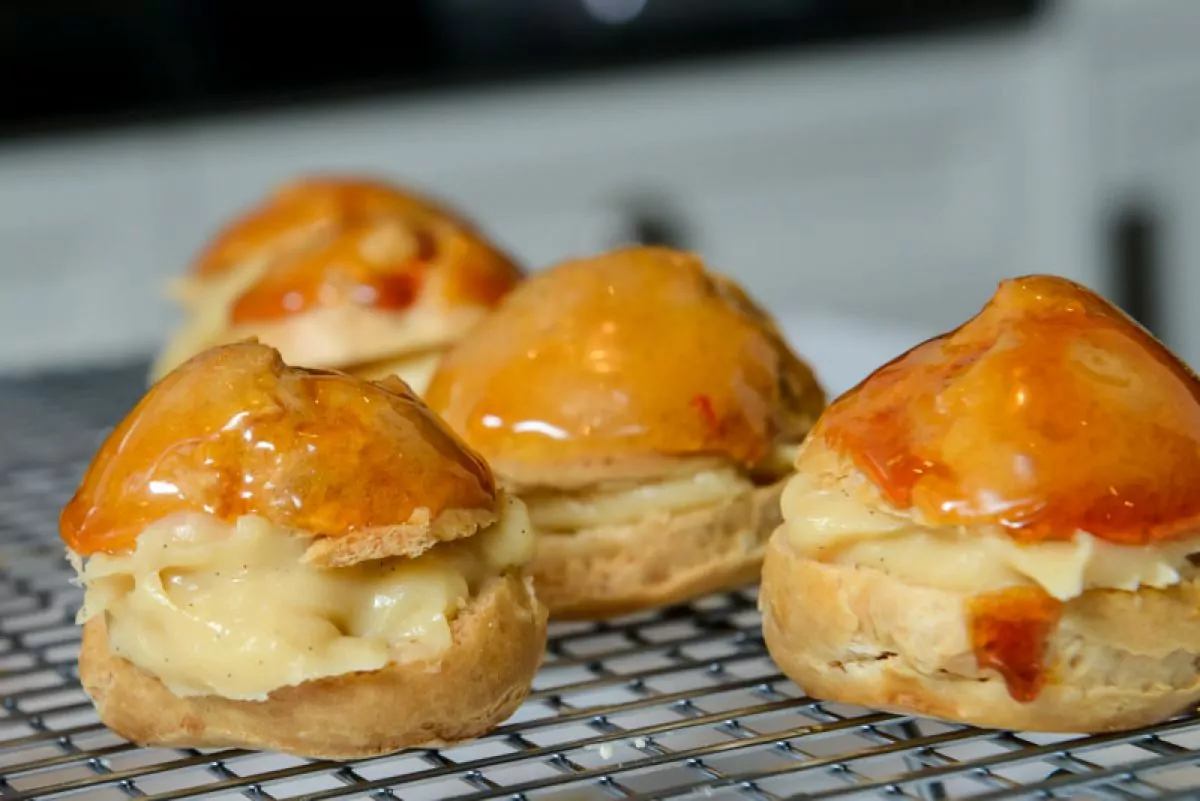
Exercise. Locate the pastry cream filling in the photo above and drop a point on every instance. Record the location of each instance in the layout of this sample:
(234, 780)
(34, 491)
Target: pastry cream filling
(230, 609)
(416, 370)
(561, 512)
(208, 300)
(827, 525)
(553, 512)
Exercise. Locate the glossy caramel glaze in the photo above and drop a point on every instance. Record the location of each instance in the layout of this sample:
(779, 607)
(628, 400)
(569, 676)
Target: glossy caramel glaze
(638, 351)
(1049, 412)
(1009, 629)
(383, 265)
(307, 209)
(235, 431)
(379, 266)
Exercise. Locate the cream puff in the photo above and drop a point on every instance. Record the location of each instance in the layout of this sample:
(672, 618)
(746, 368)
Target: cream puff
(300, 561)
(995, 527)
(342, 273)
(647, 412)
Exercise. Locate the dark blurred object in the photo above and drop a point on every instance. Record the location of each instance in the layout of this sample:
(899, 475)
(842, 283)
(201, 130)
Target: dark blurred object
(70, 63)
(652, 220)
(569, 32)
(1136, 266)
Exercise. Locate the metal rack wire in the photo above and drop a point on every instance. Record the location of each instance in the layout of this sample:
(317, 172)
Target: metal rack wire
(682, 703)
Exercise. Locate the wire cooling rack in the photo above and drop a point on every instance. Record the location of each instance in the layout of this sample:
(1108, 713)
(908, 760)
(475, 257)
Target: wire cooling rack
(683, 703)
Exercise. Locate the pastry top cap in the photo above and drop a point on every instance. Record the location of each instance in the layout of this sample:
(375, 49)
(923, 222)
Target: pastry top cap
(385, 263)
(600, 364)
(306, 206)
(235, 431)
(1049, 412)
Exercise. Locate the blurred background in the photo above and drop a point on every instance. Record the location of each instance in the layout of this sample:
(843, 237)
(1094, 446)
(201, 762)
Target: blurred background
(868, 168)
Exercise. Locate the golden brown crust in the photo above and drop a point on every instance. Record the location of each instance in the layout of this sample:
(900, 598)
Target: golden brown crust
(856, 635)
(660, 560)
(410, 539)
(475, 685)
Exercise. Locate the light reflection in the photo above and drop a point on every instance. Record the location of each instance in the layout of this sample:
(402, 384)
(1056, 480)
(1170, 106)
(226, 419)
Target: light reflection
(599, 360)
(631, 430)
(1009, 512)
(615, 12)
(363, 295)
(163, 488)
(235, 422)
(1024, 468)
(293, 301)
(539, 427)
(328, 295)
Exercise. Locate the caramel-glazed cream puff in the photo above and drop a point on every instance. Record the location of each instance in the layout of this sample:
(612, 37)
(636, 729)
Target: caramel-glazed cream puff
(646, 411)
(300, 561)
(342, 273)
(996, 527)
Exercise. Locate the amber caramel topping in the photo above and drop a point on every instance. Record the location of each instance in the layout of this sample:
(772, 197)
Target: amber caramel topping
(1049, 412)
(382, 265)
(1009, 629)
(638, 351)
(301, 211)
(235, 431)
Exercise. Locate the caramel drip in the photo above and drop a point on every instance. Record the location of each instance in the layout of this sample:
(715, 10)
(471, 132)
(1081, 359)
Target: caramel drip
(1009, 629)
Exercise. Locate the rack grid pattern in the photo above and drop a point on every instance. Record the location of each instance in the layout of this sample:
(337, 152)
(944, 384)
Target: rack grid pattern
(681, 703)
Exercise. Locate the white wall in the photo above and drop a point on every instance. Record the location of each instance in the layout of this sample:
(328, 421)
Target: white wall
(896, 184)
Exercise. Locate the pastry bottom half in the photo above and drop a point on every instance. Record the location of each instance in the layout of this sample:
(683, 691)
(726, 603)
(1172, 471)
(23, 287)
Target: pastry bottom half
(1118, 660)
(662, 559)
(481, 679)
